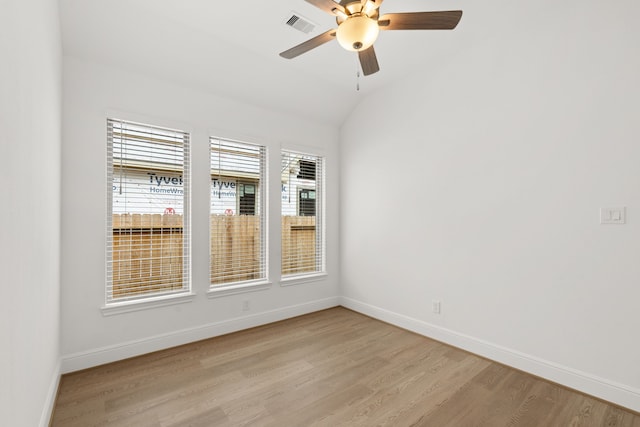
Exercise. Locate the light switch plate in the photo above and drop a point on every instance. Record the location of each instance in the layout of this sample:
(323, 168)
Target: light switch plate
(613, 215)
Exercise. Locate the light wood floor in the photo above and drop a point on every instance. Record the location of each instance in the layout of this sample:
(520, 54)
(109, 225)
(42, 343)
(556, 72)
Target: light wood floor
(331, 368)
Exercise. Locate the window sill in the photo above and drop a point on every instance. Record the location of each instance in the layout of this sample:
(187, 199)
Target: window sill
(145, 304)
(226, 290)
(302, 278)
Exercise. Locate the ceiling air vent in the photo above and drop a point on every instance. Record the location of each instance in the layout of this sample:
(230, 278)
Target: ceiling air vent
(300, 23)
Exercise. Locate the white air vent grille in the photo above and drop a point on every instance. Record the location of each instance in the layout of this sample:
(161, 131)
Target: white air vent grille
(300, 23)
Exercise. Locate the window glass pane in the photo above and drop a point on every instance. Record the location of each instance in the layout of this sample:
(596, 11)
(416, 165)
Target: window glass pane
(237, 220)
(302, 220)
(147, 227)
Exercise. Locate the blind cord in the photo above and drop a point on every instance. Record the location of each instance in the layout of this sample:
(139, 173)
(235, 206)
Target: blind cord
(219, 169)
(357, 74)
(121, 157)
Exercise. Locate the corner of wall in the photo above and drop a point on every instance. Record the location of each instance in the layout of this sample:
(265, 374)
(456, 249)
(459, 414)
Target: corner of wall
(52, 394)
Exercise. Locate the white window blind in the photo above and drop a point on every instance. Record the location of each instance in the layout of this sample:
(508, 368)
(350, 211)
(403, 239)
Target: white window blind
(148, 236)
(303, 234)
(237, 213)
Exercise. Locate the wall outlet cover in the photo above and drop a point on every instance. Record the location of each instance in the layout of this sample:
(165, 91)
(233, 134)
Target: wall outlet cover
(616, 215)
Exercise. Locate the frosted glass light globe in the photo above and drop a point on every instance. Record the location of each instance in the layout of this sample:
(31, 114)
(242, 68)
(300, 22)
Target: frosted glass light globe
(357, 33)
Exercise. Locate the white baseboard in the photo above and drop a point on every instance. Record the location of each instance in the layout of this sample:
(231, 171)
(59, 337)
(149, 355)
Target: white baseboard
(47, 409)
(100, 356)
(619, 394)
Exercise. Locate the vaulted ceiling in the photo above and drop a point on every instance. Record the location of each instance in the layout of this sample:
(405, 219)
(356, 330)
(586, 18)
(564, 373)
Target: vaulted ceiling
(231, 47)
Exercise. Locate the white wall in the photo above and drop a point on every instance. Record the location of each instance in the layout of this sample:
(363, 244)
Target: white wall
(30, 110)
(500, 160)
(92, 92)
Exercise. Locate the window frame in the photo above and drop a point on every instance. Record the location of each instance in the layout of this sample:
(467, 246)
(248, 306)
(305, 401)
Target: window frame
(320, 218)
(161, 297)
(261, 183)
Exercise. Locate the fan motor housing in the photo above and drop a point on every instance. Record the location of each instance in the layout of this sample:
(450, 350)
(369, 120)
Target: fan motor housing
(355, 8)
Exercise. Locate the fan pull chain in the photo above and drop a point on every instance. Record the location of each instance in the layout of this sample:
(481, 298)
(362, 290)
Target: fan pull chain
(357, 74)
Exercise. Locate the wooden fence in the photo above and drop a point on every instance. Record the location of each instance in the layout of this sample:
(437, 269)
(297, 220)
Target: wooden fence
(148, 250)
(235, 248)
(147, 254)
(298, 244)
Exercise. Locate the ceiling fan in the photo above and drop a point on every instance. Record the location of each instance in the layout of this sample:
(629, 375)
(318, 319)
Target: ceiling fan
(359, 23)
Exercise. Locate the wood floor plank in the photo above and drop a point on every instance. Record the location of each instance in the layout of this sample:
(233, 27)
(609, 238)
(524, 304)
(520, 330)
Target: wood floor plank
(329, 368)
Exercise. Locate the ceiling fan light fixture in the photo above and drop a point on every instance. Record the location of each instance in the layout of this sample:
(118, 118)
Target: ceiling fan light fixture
(359, 23)
(368, 8)
(358, 32)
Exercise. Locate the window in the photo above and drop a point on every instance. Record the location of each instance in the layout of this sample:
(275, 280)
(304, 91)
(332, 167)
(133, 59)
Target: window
(148, 237)
(237, 219)
(302, 214)
(306, 202)
(247, 199)
(306, 169)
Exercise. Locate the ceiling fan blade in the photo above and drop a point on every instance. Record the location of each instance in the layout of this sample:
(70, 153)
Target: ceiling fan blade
(446, 20)
(368, 61)
(309, 44)
(329, 6)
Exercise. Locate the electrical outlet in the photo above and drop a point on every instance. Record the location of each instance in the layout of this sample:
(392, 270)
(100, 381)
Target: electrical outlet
(613, 215)
(245, 305)
(435, 304)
